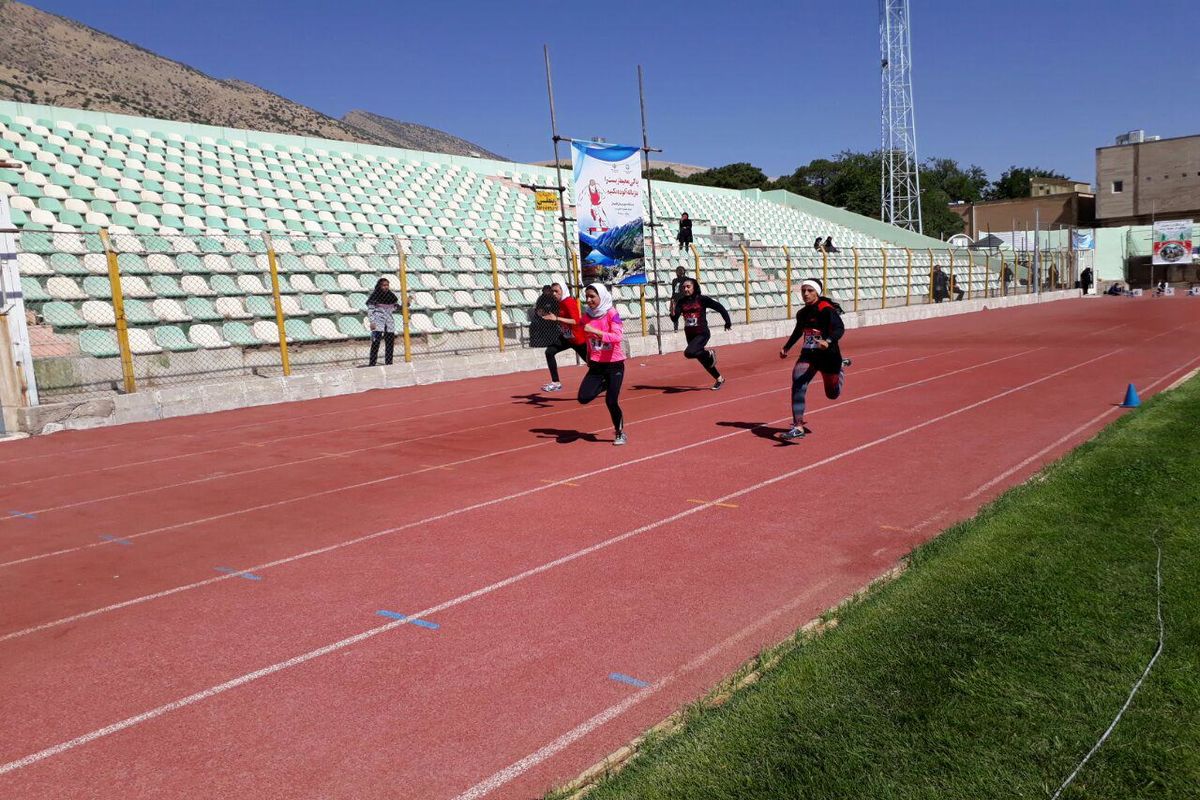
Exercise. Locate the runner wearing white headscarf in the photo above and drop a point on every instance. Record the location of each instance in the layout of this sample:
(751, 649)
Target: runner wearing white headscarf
(606, 359)
(819, 324)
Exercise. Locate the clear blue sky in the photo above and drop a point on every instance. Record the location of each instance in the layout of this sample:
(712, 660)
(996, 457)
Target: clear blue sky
(775, 83)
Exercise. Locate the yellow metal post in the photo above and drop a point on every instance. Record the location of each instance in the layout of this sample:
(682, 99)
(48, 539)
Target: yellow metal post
(908, 279)
(854, 251)
(274, 266)
(496, 292)
(645, 328)
(883, 299)
(788, 260)
(746, 279)
(404, 313)
(118, 303)
(930, 274)
(696, 260)
(575, 275)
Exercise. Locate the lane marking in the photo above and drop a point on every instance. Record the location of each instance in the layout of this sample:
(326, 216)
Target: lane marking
(706, 502)
(396, 476)
(420, 623)
(462, 509)
(349, 641)
(238, 573)
(621, 677)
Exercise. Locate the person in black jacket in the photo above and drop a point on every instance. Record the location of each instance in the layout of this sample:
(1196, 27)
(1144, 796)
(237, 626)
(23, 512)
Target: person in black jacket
(691, 306)
(684, 237)
(819, 325)
(941, 284)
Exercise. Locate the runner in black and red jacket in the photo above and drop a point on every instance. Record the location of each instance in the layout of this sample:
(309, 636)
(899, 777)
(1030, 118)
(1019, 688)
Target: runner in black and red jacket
(691, 306)
(819, 325)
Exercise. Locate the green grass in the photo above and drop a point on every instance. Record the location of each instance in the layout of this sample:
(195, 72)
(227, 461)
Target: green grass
(994, 663)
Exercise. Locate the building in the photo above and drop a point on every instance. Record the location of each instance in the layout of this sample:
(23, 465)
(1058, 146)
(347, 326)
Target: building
(1148, 179)
(1043, 187)
(1067, 209)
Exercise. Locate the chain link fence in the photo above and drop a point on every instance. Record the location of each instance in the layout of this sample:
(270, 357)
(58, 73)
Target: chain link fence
(127, 312)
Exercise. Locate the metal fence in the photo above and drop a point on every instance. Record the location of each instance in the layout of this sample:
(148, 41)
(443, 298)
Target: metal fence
(127, 312)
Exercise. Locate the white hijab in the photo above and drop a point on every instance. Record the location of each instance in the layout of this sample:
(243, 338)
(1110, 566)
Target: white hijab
(605, 301)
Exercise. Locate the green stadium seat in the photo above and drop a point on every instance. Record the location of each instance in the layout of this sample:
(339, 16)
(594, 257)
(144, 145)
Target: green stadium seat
(172, 338)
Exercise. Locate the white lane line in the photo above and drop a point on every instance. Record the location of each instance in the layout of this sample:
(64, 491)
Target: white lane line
(341, 644)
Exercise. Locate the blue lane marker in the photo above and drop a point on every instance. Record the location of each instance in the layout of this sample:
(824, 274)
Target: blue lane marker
(116, 539)
(433, 626)
(250, 576)
(23, 514)
(632, 681)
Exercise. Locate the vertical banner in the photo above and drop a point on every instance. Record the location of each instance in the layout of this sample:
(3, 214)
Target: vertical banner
(1173, 241)
(608, 207)
(12, 305)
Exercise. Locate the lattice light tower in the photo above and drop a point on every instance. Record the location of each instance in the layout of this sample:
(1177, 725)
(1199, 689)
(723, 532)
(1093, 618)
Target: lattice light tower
(900, 187)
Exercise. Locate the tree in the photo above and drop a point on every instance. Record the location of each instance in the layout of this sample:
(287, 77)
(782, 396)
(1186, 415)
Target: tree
(850, 180)
(742, 175)
(944, 182)
(663, 174)
(1015, 182)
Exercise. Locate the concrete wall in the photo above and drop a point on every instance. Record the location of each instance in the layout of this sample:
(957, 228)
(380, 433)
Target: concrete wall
(201, 399)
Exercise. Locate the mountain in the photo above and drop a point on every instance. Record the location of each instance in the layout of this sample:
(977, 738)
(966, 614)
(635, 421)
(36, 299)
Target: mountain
(414, 136)
(51, 60)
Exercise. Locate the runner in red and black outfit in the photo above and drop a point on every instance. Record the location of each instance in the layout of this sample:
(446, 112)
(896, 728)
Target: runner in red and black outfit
(570, 320)
(691, 306)
(819, 324)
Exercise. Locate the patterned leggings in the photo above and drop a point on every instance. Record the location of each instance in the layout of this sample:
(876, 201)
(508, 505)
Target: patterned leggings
(802, 374)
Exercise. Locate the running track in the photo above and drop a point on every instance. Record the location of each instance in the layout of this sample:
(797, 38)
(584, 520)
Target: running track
(189, 607)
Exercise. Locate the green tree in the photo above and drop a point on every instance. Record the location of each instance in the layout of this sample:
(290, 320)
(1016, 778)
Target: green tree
(663, 174)
(1015, 182)
(742, 175)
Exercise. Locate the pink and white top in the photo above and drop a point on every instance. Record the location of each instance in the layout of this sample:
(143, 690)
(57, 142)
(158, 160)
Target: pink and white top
(605, 348)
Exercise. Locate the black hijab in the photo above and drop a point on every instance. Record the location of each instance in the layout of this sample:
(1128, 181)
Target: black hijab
(382, 297)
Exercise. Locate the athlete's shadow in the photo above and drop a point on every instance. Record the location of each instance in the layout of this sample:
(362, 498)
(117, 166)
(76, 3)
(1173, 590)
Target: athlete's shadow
(564, 436)
(537, 400)
(670, 389)
(763, 431)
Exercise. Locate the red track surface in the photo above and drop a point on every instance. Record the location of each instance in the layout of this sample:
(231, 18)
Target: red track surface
(548, 558)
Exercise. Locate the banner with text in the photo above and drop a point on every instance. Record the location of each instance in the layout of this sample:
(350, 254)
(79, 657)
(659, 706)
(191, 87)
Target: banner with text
(1173, 241)
(608, 207)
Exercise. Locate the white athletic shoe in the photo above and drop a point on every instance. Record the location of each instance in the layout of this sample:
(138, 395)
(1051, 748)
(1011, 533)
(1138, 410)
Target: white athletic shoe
(552, 386)
(619, 440)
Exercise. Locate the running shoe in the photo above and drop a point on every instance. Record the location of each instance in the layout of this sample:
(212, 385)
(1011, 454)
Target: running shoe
(552, 386)
(720, 382)
(795, 433)
(619, 440)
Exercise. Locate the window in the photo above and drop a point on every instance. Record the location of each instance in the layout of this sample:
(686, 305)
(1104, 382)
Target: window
(1118, 187)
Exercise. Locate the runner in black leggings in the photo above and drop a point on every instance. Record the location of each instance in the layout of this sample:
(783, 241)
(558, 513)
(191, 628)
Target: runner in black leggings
(606, 359)
(691, 306)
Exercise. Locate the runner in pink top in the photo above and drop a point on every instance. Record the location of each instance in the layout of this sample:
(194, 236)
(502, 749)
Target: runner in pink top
(606, 359)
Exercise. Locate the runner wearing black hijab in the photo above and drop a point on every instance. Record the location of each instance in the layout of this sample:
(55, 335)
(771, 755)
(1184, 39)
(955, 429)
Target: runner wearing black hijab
(691, 306)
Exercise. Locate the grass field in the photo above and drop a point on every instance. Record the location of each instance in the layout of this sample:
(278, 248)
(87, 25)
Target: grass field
(995, 662)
